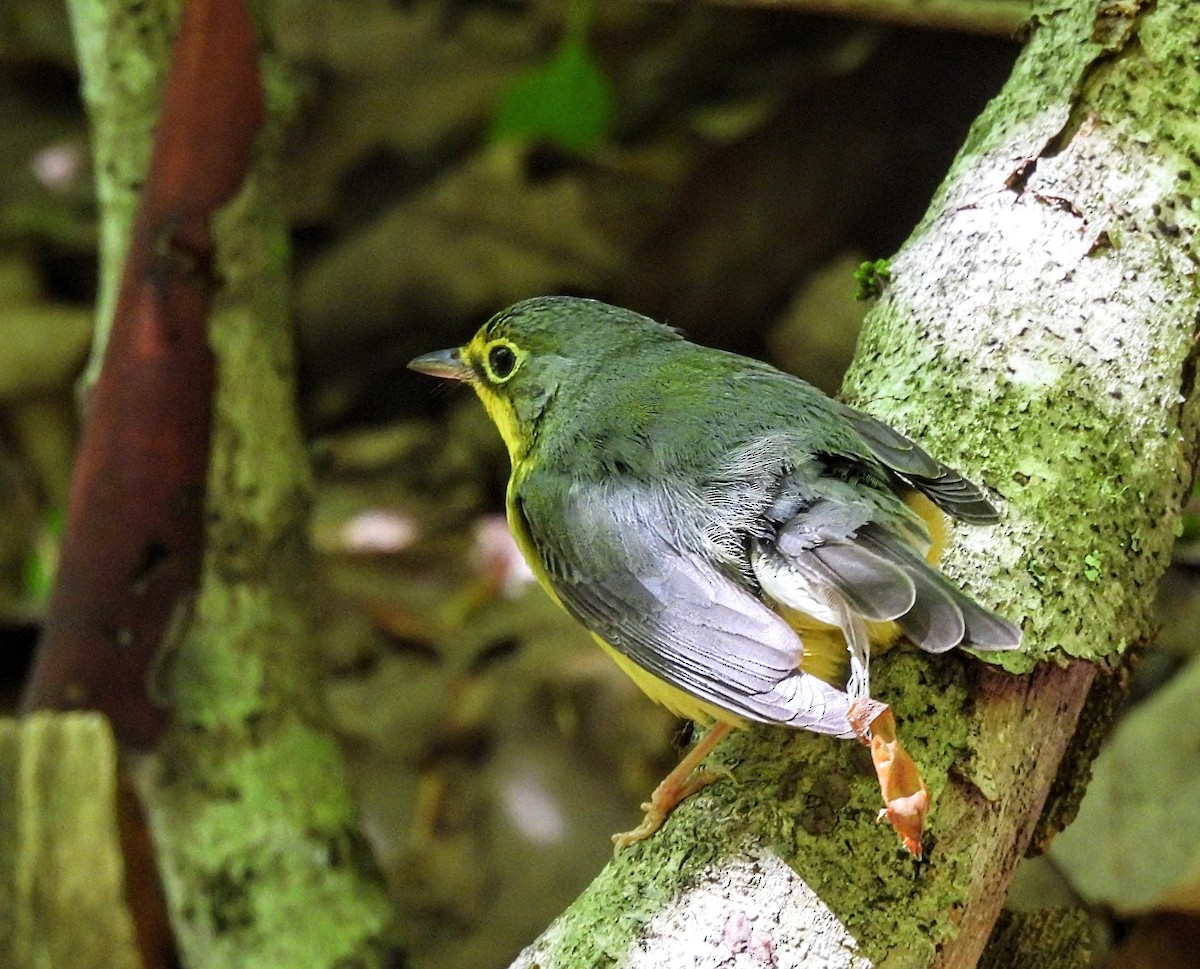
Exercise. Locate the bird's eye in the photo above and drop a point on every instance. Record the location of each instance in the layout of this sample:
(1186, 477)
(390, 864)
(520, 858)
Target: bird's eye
(502, 361)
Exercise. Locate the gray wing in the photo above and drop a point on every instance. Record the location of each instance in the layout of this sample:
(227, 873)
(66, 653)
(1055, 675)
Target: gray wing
(836, 430)
(619, 563)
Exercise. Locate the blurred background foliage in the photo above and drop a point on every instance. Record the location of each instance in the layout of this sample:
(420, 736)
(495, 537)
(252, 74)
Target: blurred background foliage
(726, 171)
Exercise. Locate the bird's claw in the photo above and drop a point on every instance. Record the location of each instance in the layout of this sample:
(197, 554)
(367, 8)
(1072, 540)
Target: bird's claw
(684, 781)
(666, 797)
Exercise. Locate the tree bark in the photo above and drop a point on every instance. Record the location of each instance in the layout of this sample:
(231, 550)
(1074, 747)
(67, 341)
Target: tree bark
(62, 886)
(137, 498)
(1039, 332)
(258, 846)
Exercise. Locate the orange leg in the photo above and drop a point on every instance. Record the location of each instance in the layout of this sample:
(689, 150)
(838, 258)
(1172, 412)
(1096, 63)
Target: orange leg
(684, 781)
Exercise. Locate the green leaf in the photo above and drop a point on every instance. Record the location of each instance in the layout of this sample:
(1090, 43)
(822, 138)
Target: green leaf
(567, 101)
(42, 560)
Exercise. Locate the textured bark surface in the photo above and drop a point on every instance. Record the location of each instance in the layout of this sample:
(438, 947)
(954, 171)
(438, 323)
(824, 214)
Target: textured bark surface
(257, 839)
(1039, 333)
(1044, 939)
(62, 888)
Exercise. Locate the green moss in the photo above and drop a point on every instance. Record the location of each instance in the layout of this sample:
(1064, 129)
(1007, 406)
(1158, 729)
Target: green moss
(1065, 443)
(870, 278)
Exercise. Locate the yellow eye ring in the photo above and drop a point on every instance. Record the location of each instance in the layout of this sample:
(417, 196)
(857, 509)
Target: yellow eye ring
(501, 361)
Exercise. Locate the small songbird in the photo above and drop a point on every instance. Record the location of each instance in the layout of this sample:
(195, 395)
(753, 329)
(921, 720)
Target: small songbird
(734, 538)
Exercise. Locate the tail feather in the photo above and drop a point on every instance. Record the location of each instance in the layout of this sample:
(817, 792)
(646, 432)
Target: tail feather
(935, 622)
(942, 617)
(875, 588)
(948, 489)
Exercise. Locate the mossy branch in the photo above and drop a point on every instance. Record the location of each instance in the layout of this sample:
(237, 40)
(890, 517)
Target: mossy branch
(257, 840)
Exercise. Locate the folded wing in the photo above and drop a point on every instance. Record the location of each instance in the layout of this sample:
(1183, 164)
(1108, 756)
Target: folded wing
(616, 564)
(944, 486)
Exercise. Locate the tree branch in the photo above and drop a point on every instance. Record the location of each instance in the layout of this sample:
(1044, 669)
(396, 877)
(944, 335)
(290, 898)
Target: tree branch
(1039, 333)
(1002, 18)
(137, 493)
(261, 859)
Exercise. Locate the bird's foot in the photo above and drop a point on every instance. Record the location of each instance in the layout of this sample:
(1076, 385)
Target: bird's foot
(684, 781)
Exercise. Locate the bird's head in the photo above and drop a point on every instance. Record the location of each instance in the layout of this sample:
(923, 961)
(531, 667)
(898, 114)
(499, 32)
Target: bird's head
(540, 351)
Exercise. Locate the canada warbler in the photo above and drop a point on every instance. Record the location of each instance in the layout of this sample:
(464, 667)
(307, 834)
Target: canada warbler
(735, 539)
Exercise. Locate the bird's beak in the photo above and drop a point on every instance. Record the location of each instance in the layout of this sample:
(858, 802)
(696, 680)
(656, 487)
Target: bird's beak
(447, 364)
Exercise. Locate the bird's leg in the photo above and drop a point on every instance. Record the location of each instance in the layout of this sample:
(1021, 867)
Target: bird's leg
(684, 781)
(904, 792)
(858, 642)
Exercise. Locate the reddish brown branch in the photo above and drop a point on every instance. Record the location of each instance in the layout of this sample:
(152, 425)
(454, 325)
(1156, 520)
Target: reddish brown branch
(134, 537)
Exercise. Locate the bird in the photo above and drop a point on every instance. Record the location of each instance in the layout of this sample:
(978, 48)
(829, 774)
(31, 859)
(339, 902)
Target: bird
(734, 538)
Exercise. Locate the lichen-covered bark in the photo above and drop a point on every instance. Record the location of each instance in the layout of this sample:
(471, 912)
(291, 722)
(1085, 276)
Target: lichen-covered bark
(1039, 333)
(260, 852)
(123, 50)
(258, 846)
(1056, 273)
(62, 887)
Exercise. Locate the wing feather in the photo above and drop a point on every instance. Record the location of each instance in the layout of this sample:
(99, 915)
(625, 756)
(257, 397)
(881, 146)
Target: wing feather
(944, 486)
(615, 565)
